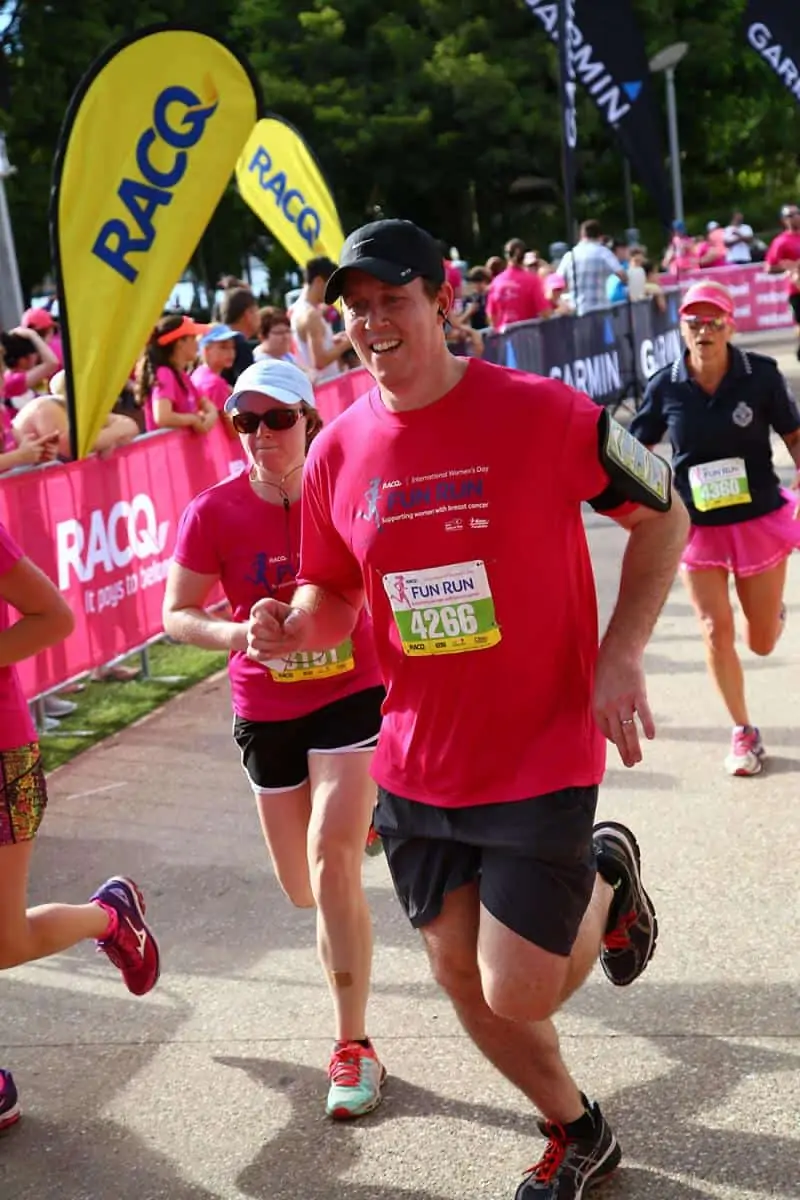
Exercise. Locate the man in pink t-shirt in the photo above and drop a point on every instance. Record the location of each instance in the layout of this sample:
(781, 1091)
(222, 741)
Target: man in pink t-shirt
(448, 500)
(516, 294)
(783, 255)
(218, 348)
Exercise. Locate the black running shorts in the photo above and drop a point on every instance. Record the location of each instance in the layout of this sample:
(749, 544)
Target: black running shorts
(275, 753)
(533, 860)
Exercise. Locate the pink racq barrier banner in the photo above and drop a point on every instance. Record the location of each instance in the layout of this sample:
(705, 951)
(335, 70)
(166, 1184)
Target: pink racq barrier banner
(104, 531)
(338, 394)
(762, 300)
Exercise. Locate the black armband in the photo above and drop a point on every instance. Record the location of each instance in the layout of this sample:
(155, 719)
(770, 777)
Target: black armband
(635, 473)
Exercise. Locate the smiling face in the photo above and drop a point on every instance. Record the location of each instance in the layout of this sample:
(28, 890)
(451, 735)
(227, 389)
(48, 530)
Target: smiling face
(272, 452)
(395, 330)
(706, 343)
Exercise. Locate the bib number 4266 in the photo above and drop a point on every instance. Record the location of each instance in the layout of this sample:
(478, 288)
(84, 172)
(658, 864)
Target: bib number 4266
(449, 621)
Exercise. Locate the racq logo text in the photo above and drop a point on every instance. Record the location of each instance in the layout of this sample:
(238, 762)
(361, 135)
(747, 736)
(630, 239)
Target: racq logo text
(111, 541)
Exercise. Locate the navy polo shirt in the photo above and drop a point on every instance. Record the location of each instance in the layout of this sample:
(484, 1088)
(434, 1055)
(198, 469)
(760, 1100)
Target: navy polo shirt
(735, 422)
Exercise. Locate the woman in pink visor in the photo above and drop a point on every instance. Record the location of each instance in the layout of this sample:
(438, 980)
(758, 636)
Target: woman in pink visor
(718, 406)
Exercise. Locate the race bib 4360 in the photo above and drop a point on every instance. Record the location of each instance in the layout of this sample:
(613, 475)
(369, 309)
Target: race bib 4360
(443, 610)
(719, 484)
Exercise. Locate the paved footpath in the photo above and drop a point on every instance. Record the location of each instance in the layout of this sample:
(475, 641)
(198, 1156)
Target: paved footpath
(212, 1088)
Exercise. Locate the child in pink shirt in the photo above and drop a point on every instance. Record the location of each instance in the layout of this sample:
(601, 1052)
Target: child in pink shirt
(164, 389)
(114, 916)
(218, 348)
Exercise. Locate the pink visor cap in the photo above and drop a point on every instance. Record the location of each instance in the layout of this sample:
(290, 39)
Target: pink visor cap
(708, 293)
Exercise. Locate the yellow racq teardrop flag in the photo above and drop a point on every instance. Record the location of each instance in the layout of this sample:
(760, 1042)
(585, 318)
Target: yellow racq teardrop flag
(279, 178)
(148, 146)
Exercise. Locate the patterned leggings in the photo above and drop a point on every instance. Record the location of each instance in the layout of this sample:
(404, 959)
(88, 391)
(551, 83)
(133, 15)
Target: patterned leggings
(23, 794)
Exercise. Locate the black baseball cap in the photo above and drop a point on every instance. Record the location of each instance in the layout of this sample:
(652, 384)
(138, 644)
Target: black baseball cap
(393, 251)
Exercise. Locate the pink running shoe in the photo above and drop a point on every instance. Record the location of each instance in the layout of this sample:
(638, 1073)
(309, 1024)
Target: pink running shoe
(747, 751)
(130, 946)
(9, 1103)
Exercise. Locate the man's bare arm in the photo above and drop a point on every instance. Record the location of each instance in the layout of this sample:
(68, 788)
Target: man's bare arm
(649, 566)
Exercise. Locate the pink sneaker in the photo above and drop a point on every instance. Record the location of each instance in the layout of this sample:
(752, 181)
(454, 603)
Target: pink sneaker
(130, 946)
(747, 751)
(9, 1101)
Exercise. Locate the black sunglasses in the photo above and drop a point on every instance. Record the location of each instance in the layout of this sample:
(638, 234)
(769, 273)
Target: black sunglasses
(276, 419)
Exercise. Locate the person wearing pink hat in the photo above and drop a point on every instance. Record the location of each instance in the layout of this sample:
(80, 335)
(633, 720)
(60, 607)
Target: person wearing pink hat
(42, 320)
(718, 406)
(163, 388)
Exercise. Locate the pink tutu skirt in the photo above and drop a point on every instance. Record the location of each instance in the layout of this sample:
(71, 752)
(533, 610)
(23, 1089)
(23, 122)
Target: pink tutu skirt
(749, 547)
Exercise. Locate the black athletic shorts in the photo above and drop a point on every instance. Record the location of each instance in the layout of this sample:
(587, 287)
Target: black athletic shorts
(794, 302)
(533, 860)
(275, 753)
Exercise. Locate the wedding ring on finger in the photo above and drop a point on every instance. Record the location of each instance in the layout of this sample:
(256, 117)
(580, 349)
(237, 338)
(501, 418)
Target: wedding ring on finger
(627, 721)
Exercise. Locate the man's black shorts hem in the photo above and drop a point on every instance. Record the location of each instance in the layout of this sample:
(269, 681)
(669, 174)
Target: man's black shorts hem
(533, 860)
(275, 753)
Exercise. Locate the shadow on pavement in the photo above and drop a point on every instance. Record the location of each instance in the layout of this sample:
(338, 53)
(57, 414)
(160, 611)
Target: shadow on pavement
(311, 1151)
(659, 1121)
(108, 1163)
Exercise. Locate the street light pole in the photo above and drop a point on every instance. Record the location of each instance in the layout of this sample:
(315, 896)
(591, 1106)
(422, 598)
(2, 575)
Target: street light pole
(674, 144)
(10, 289)
(667, 60)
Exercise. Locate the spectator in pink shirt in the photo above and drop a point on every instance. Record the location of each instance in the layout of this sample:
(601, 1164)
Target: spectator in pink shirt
(711, 250)
(681, 254)
(164, 390)
(218, 350)
(783, 255)
(42, 320)
(29, 362)
(516, 294)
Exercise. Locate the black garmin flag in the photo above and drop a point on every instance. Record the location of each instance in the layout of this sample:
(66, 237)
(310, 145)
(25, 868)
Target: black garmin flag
(610, 60)
(773, 31)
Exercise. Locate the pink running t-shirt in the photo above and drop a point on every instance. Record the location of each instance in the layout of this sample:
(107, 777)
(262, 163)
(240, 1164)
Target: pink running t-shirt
(16, 726)
(212, 386)
(253, 548)
(463, 520)
(516, 294)
(182, 395)
(785, 248)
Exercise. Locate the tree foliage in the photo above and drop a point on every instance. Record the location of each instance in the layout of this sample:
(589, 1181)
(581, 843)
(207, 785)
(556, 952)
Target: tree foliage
(445, 111)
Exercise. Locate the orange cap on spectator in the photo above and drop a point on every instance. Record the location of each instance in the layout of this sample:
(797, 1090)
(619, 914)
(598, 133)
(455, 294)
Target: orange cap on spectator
(187, 328)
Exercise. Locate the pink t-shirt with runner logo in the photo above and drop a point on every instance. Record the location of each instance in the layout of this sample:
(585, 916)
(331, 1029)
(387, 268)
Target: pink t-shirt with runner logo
(16, 726)
(181, 393)
(785, 248)
(253, 547)
(469, 543)
(212, 386)
(516, 294)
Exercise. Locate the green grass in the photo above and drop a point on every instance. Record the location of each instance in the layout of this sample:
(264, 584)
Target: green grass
(105, 708)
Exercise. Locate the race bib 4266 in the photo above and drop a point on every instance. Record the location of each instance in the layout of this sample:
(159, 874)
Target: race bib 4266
(443, 610)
